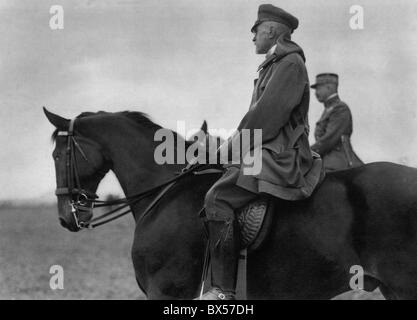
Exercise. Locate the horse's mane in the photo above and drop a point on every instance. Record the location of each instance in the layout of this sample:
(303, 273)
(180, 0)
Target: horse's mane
(140, 118)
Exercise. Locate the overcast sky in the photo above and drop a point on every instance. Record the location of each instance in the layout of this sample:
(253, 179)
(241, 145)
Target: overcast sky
(192, 60)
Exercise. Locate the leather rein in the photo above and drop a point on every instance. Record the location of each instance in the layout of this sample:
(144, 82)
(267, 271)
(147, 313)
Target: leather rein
(85, 200)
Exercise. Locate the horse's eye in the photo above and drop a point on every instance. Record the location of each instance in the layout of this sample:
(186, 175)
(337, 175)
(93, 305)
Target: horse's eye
(56, 158)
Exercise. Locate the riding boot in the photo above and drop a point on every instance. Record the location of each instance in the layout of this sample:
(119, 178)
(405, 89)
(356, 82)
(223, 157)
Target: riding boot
(224, 255)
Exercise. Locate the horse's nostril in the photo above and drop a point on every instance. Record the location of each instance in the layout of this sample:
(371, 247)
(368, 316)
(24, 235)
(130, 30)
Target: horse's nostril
(62, 222)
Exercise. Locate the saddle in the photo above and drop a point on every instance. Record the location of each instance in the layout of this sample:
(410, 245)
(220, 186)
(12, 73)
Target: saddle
(255, 220)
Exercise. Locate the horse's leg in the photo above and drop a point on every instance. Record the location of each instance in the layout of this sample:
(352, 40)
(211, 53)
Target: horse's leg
(399, 275)
(393, 259)
(168, 251)
(170, 279)
(166, 273)
(387, 292)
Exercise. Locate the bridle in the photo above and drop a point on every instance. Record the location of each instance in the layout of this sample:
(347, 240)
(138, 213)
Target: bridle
(83, 198)
(86, 200)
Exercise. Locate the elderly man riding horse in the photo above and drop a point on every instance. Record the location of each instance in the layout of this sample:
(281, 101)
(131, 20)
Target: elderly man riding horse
(290, 170)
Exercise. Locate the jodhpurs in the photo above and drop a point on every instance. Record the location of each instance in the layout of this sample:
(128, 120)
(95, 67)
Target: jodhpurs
(224, 197)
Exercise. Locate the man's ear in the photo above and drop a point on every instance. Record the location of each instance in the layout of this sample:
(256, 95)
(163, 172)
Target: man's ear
(272, 32)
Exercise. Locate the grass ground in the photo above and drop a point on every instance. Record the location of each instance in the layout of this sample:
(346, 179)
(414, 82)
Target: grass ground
(96, 264)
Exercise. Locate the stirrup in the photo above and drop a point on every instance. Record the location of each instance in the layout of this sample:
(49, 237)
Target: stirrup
(217, 294)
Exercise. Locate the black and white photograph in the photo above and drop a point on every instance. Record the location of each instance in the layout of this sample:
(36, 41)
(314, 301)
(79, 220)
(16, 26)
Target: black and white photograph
(233, 150)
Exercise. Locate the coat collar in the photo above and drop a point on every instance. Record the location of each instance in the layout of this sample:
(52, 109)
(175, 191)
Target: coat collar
(271, 51)
(268, 61)
(331, 100)
(282, 48)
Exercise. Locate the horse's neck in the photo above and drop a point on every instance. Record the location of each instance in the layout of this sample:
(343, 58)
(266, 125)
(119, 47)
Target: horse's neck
(135, 167)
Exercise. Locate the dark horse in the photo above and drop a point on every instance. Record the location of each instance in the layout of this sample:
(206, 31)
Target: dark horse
(365, 216)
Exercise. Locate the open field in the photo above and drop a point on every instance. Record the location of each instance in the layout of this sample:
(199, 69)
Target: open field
(97, 264)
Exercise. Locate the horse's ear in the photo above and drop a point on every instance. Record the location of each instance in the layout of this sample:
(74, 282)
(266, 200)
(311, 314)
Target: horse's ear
(204, 127)
(56, 120)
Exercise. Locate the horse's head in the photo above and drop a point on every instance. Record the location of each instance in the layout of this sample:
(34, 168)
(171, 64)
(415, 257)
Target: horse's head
(80, 165)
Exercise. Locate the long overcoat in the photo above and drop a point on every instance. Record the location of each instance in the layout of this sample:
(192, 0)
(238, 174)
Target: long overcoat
(280, 102)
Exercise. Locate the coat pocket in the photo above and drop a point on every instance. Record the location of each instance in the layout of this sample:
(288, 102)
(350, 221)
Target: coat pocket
(281, 168)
